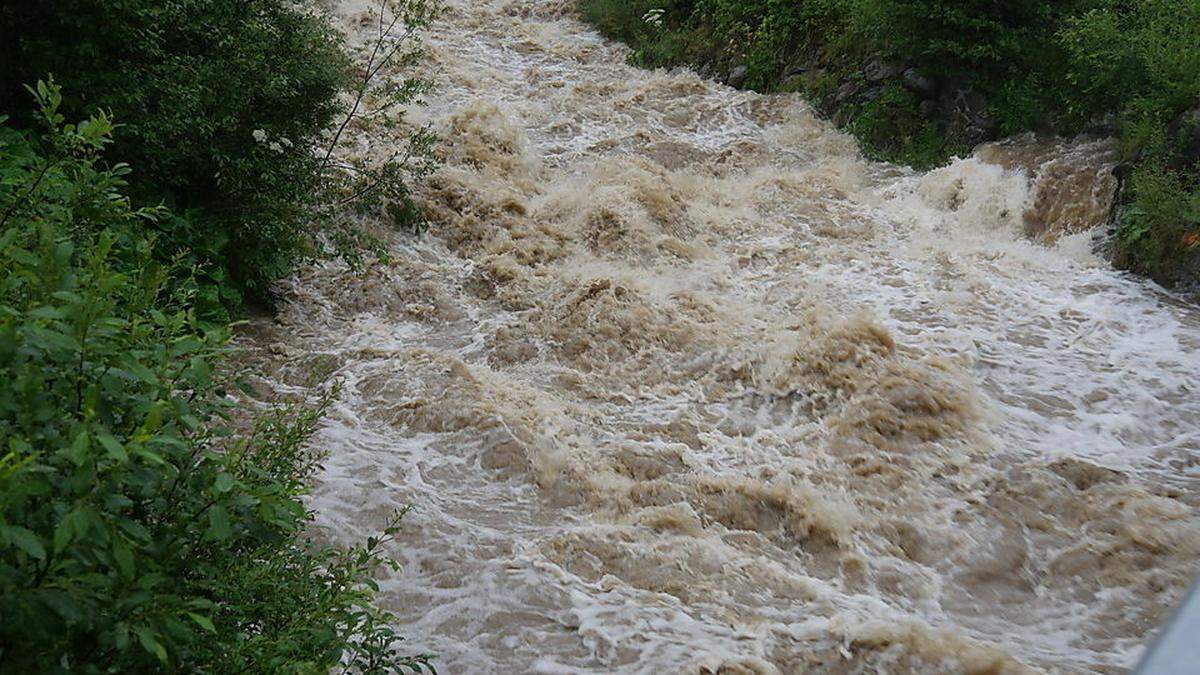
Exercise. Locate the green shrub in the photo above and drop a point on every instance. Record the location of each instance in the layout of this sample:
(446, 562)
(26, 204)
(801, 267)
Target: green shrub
(979, 38)
(1142, 63)
(766, 36)
(1160, 229)
(619, 19)
(891, 128)
(137, 532)
(204, 88)
(226, 107)
(658, 30)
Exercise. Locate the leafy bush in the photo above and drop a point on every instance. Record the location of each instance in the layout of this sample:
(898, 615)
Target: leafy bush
(137, 531)
(651, 27)
(1142, 64)
(225, 108)
(1136, 60)
(979, 38)
(768, 36)
(1160, 229)
(892, 121)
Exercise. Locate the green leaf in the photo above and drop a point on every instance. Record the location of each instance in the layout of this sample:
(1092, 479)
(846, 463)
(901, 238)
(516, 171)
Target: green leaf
(201, 371)
(25, 540)
(144, 374)
(51, 338)
(77, 524)
(154, 418)
(149, 455)
(224, 483)
(48, 312)
(123, 557)
(203, 621)
(150, 643)
(114, 448)
(63, 534)
(218, 524)
(77, 451)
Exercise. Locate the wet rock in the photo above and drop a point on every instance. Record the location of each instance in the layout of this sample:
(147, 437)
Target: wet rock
(983, 127)
(1104, 125)
(846, 92)
(976, 102)
(961, 102)
(873, 93)
(965, 112)
(919, 82)
(737, 76)
(706, 70)
(878, 71)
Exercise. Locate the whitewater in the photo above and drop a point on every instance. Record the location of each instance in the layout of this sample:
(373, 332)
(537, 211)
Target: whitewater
(678, 382)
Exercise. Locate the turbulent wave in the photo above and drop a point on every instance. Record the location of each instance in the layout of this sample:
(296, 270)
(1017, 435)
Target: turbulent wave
(679, 382)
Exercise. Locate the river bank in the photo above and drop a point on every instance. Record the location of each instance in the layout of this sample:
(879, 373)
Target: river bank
(920, 83)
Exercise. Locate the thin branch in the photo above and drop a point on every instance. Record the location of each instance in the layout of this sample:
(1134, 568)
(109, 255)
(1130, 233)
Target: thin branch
(370, 71)
(13, 207)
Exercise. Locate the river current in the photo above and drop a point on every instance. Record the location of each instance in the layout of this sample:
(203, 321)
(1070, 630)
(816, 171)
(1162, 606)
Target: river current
(679, 382)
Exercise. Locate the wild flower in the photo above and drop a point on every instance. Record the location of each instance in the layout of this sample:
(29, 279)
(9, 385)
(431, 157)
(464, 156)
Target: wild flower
(654, 17)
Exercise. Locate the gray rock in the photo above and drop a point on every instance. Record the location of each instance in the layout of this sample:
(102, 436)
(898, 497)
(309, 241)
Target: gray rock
(919, 82)
(976, 102)
(928, 108)
(1101, 125)
(956, 101)
(877, 71)
(845, 92)
(982, 128)
(873, 93)
(705, 70)
(737, 76)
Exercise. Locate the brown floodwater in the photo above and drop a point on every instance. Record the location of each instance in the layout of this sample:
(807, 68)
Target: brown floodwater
(678, 382)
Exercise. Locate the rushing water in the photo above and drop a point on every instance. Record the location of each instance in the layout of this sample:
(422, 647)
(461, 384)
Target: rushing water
(679, 382)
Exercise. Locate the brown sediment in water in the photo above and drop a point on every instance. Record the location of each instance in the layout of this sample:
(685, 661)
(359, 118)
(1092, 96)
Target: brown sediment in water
(678, 382)
(1072, 183)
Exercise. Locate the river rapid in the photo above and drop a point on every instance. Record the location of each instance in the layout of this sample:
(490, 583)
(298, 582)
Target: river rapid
(678, 382)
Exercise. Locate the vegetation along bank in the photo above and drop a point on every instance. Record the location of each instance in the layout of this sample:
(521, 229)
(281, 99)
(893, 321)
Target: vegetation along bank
(919, 81)
(161, 164)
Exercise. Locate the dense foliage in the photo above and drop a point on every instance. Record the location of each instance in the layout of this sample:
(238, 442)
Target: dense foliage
(225, 110)
(146, 523)
(137, 531)
(920, 80)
